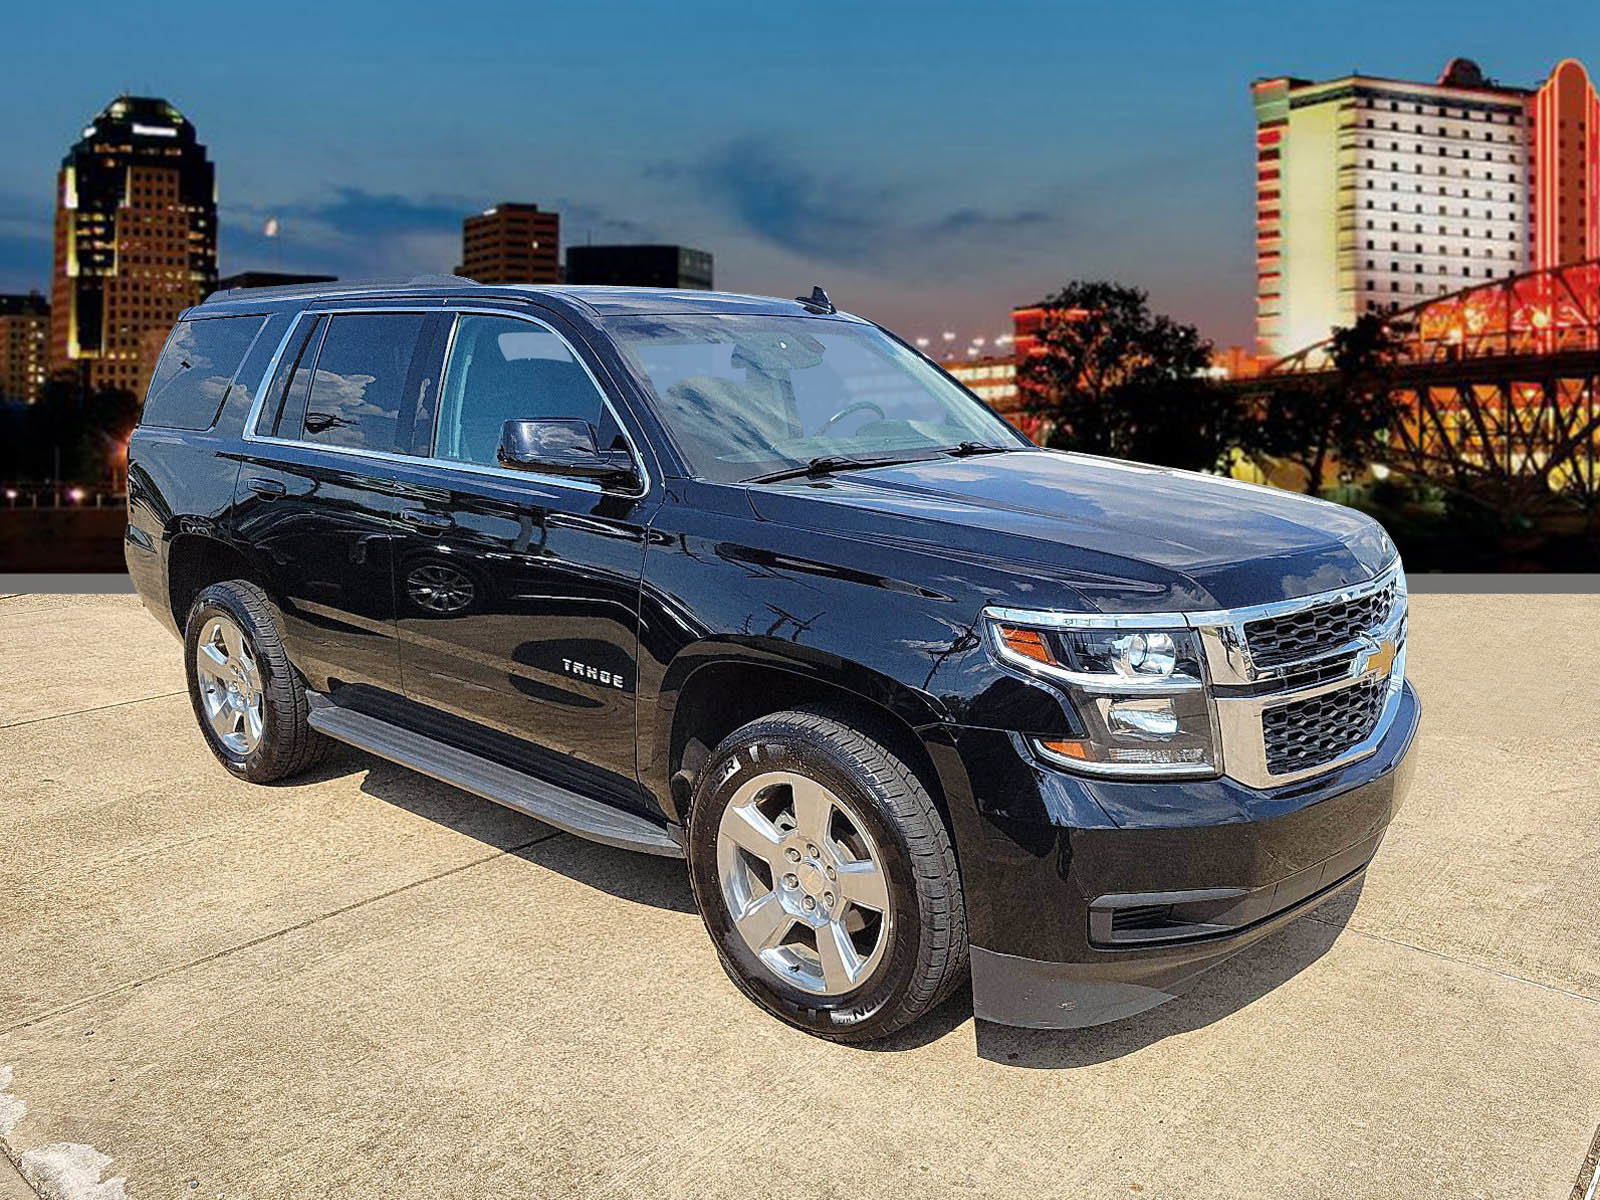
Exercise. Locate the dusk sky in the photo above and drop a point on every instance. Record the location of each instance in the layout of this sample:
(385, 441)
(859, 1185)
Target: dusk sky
(931, 164)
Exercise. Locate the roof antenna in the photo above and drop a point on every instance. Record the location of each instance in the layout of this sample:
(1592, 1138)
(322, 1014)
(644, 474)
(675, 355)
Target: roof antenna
(818, 301)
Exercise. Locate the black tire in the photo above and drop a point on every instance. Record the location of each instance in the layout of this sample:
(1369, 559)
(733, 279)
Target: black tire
(288, 745)
(926, 957)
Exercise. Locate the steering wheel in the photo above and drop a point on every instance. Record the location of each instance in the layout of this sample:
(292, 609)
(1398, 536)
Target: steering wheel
(858, 406)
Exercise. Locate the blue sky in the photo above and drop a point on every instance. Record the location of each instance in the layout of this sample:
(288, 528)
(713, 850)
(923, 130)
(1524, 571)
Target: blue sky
(932, 164)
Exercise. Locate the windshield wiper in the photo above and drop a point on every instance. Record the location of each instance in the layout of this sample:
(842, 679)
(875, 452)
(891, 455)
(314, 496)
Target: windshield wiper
(828, 464)
(967, 449)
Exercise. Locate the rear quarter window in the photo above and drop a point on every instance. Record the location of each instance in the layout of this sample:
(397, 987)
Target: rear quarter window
(196, 369)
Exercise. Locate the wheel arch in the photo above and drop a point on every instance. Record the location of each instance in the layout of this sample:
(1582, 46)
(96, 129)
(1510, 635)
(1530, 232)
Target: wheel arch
(195, 561)
(713, 688)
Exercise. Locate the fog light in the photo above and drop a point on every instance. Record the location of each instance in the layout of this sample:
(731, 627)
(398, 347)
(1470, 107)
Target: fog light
(1156, 718)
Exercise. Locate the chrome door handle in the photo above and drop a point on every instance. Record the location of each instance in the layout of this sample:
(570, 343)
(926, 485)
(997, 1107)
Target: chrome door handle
(266, 488)
(422, 519)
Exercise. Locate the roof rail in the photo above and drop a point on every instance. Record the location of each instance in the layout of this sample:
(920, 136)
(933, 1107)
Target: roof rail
(290, 290)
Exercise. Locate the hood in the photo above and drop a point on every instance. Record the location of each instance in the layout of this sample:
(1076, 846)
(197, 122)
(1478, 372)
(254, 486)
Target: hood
(1126, 537)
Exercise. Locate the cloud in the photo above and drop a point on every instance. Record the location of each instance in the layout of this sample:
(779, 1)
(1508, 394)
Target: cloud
(351, 233)
(965, 222)
(354, 233)
(26, 232)
(357, 212)
(582, 221)
(835, 218)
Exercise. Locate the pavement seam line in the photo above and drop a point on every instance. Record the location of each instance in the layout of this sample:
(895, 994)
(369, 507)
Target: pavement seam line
(8, 1152)
(1461, 962)
(129, 985)
(97, 708)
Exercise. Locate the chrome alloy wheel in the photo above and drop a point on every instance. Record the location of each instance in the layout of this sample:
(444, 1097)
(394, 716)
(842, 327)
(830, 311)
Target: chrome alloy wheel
(804, 883)
(230, 685)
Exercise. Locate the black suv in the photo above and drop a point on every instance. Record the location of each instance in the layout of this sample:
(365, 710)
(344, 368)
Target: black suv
(753, 583)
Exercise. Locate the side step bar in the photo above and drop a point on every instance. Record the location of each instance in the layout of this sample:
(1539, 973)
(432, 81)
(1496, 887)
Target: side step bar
(537, 798)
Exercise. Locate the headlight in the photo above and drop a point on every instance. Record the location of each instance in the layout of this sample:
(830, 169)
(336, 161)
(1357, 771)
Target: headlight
(1139, 692)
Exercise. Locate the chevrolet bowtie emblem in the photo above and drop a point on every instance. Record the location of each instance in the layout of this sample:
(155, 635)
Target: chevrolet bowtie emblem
(1381, 660)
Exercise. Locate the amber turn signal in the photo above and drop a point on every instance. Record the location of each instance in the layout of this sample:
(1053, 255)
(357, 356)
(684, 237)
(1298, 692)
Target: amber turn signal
(1029, 643)
(1078, 750)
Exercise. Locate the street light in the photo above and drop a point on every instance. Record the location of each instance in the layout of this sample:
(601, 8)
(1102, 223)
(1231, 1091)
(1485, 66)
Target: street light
(75, 495)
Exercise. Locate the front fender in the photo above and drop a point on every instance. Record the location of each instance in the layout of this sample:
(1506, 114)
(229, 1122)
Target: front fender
(721, 586)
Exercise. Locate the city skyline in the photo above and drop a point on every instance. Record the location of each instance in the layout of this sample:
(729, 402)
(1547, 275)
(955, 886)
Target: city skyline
(928, 187)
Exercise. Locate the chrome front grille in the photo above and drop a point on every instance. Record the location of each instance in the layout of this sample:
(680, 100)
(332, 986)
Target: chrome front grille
(1304, 734)
(1321, 629)
(1306, 686)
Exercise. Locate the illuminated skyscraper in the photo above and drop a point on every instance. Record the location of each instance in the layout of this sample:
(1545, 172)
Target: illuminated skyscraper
(1377, 194)
(1566, 167)
(24, 345)
(511, 243)
(135, 241)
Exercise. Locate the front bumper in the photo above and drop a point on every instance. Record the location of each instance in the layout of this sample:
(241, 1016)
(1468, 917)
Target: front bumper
(1046, 857)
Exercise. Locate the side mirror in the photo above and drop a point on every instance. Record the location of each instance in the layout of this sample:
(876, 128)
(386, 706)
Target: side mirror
(563, 446)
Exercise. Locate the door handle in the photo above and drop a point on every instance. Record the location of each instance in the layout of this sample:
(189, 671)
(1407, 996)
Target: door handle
(267, 489)
(422, 519)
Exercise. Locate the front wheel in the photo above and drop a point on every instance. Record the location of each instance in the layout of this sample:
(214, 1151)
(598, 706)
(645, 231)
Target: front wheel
(826, 877)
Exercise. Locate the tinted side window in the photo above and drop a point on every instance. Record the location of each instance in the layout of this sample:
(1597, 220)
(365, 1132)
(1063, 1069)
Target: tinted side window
(501, 370)
(374, 373)
(196, 369)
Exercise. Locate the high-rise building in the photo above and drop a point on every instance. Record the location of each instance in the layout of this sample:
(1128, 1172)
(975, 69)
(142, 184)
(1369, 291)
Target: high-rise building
(135, 240)
(1565, 152)
(1376, 194)
(511, 243)
(640, 266)
(24, 346)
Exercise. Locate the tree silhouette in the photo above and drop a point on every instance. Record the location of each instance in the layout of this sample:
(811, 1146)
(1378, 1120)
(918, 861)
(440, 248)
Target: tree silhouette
(1339, 416)
(1108, 376)
(82, 428)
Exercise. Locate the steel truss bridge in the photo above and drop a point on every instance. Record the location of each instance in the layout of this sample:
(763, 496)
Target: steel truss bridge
(1497, 388)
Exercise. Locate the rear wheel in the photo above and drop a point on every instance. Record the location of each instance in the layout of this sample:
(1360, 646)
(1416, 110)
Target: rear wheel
(250, 702)
(826, 877)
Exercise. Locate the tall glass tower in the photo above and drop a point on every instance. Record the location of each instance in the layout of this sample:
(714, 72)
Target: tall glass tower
(135, 241)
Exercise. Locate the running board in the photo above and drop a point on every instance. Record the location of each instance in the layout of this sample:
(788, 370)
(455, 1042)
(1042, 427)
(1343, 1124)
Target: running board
(528, 794)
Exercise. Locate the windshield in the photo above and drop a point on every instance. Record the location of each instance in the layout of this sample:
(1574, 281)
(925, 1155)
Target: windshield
(746, 396)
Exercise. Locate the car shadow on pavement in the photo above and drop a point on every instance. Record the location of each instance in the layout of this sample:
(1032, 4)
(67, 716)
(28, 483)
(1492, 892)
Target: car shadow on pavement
(1220, 992)
(663, 883)
(636, 878)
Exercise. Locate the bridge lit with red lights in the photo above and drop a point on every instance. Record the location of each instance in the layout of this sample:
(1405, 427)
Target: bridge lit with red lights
(1498, 384)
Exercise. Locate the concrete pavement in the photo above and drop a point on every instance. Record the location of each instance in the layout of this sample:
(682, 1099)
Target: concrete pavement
(366, 983)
